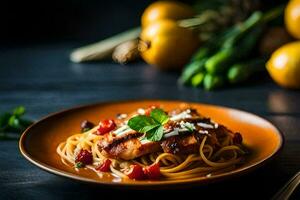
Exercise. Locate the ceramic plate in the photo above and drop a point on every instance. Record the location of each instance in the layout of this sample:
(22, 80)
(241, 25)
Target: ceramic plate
(38, 143)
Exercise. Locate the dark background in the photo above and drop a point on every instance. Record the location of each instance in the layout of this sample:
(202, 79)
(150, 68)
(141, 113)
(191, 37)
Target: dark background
(82, 21)
(36, 38)
(25, 22)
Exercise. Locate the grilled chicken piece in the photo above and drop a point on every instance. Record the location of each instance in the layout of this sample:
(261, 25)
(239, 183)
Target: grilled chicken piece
(180, 144)
(127, 147)
(184, 145)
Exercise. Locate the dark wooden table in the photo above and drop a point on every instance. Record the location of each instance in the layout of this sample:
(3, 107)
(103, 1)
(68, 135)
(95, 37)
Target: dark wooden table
(44, 80)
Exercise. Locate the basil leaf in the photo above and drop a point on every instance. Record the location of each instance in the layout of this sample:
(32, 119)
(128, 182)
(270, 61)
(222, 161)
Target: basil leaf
(159, 116)
(19, 111)
(142, 123)
(155, 134)
(149, 128)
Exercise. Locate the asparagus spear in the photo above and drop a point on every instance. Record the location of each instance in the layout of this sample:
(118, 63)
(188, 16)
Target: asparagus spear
(212, 82)
(220, 62)
(196, 65)
(197, 79)
(199, 58)
(242, 71)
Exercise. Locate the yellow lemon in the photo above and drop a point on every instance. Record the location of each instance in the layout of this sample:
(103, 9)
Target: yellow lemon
(166, 10)
(166, 45)
(292, 18)
(284, 65)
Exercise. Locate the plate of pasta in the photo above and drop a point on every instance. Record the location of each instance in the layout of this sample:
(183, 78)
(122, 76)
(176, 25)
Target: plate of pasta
(148, 143)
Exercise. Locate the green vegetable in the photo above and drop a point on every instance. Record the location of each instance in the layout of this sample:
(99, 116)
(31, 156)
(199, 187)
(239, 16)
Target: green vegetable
(196, 65)
(217, 63)
(242, 71)
(197, 79)
(240, 30)
(220, 62)
(221, 51)
(225, 40)
(13, 122)
(211, 82)
(151, 125)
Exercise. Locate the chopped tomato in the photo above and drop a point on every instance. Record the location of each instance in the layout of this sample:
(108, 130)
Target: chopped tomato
(237, 138)
(105, 166)
(85, 157)
(152, 172)
(135, 172)
(106, 126)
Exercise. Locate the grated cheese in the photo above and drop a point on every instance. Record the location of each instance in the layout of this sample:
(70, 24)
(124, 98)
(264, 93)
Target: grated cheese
(172, 133)
(141, 111)
(182, 115)
(204, 125)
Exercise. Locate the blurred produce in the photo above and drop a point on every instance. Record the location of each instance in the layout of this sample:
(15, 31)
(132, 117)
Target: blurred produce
(292, 18)
(211, 82)
(179, 41)
(284, 65)
(166, 45)
(215, 60)
(209, 22)
(126, 52)
(243, 8)
(234, 39)
(103, 49)
(159, 10)
(272, 39)
(240, 72)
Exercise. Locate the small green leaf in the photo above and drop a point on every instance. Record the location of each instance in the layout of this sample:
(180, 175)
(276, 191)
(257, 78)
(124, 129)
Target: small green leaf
(19, 111)
(14, 124)
(79, 165)
(188, 127)
(159, 116)
(155, 134)
(142, 123)
(11, 122)
(14, 121)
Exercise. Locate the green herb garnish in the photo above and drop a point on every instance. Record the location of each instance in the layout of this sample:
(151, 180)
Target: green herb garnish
(151, 125)
(190, 127)
(12, 123)
(79, 165)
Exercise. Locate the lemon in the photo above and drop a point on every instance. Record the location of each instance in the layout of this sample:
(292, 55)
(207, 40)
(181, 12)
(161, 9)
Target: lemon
(292, 18)
(166, 10)
(166, 45)
(284, 65)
